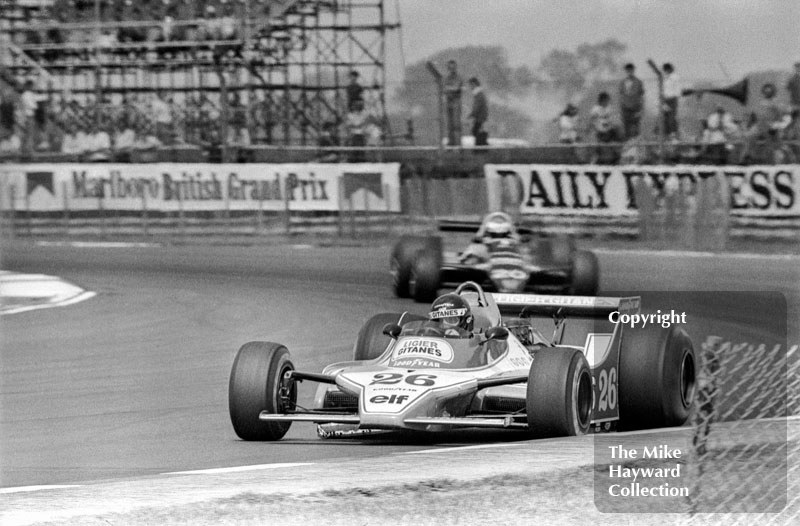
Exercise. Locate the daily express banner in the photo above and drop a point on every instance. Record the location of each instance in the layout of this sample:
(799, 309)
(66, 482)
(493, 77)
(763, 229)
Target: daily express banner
(201, 187)
(610, 190)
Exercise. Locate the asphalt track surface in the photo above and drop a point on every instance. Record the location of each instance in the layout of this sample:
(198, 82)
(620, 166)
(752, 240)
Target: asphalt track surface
(133, 382)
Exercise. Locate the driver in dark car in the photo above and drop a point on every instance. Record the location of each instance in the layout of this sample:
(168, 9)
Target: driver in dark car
(498, 230)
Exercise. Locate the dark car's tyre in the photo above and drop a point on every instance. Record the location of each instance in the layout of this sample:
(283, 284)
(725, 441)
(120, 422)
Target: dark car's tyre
(255, 385)
(585, 274)
(657, 377)
(402, 260)
(559, 401)
(371, 342)
(423, 283)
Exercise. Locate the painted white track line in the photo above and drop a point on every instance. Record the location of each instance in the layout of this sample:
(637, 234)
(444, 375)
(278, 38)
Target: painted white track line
(238, 469)
(27, 292)
(697, 255)
(96, 244)
(24, 489)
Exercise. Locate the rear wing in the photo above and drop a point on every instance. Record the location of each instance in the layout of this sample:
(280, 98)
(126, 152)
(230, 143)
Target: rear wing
(453, 225)
(578, 306)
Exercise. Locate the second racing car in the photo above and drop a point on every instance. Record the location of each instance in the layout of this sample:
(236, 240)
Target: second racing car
(501, 257)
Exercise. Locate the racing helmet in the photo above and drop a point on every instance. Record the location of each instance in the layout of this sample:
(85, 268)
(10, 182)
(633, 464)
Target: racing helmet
(499, 226)
(451, 310)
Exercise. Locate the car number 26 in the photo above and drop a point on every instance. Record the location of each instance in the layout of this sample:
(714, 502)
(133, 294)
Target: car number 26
(425, 380)
(607, 385)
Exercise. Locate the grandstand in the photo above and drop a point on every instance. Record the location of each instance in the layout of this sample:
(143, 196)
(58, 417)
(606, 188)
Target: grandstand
(210, 73)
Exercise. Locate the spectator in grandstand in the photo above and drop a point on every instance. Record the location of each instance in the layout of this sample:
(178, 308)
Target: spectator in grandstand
(146, 138)
(602, 122)
(671, 91)
(568, 125)
(793, 87)
(70, 144)
(631, 102)
(162, 115)
(719, 130)
(210, 28)
(10, 144)
(479, 113)
(7, 113)
(453, 86)
(32, 116)
(227, 24)
(238, 134)
(354, 91)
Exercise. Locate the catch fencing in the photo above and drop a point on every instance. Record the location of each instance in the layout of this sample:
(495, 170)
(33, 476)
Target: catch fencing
(745, 466)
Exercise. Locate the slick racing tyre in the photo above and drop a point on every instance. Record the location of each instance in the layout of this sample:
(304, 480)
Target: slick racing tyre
(585, 274)
(423, 282)
(402, 260)
(256, 385)
(371, 342)
(656, 377)
(559, 399)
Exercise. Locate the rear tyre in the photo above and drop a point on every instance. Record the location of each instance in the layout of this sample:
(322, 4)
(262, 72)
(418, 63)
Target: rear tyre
(585, 274)
(426, 271)
(401, 261)
(371, 342)
(559, 399)
(257, 384)
(657, 375)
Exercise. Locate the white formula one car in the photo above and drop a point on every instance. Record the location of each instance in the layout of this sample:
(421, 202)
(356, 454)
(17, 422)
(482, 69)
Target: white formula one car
(410, 374)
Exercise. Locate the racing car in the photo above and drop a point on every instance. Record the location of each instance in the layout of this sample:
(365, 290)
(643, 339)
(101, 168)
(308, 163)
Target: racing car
(501, 257)
(412, 373)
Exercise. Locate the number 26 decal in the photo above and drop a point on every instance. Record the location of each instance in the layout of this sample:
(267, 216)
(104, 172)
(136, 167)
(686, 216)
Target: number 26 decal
(608, 390)
(424, 380)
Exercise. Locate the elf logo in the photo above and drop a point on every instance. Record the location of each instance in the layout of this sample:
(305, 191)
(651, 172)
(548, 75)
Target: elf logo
(394, 399)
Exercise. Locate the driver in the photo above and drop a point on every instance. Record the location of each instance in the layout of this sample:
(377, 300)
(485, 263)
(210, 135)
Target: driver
(497, 228)
(452, 312)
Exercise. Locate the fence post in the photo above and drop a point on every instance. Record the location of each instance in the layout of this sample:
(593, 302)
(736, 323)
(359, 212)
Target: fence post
(66, 208)
(28, 212)
(340, 205)
(101, 213)
(389, 219)
(228, 220)
(287, 212)
(367, 214)
(144, 213)
(181, 217)
(12, 201)
(260, 214)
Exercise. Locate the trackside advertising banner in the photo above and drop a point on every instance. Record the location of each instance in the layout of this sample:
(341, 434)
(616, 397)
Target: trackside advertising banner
(753, 191)
(201, 187)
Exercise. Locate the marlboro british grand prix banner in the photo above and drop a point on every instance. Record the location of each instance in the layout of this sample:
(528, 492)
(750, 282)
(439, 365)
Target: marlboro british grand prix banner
(753, 191)
(200, 187)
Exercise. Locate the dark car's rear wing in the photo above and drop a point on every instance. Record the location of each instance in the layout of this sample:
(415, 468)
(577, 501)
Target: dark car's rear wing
(578, 306)
(453, 225)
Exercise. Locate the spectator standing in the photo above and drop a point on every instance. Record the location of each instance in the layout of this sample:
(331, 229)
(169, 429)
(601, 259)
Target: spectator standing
(672, 91)
(602, 119)
(162, 114)
(631, 102)
(453, 86)
(793, 87)
(479, 113)
(356, 123)
(354, 91)
(720, 129)
(767, 123)
(568, 125)
(30, 106)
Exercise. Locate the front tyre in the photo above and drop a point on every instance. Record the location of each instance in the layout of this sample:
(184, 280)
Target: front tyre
(559, 398)
(257, 384)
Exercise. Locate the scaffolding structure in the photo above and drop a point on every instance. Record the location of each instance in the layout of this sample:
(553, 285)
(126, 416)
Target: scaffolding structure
(287, 62)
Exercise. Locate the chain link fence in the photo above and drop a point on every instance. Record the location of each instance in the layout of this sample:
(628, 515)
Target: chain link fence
(745, 465)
